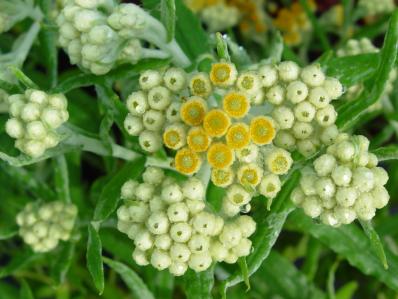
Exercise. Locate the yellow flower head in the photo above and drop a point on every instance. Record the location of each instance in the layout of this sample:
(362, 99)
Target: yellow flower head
(278, 161)
(174, 137)
(238, 136)
(222, 177)
(200, 85)
(250, 174)
(187, 161)
(216, 123)
(220, 155)
(223, 74)
(262, 130)
(198, 140)
(236, 104)
(193, 111)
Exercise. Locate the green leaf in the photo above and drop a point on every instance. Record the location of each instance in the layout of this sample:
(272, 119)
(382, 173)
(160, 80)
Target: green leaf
(20, 260)
(168, 17)
(312, 258)
(25, 80)
(347, 291)
(222, 47)
(25, 292)
(269, 227)
(375, 241)
(110, 195)
(94, 258)
(386, 153)
(352, 244)
(331, 279)
(9, 87)
(244, 271)
(131, 279)
(375, 87)
(62, 263)
(61, 178)
(198, 285)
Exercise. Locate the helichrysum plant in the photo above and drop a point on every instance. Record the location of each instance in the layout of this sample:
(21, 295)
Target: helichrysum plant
(176, 149)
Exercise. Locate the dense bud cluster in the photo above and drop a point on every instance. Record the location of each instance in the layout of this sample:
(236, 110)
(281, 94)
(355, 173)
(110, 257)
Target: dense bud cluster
(301, 104)
(343, 184)
(365, 46)
(43, 226)
(373, 7)
(35, 117)
(97, 34)
(172, 230)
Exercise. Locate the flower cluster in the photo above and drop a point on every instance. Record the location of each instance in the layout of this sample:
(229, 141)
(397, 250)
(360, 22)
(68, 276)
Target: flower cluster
(35, 116)
(97, 34)
(173, 230)
(293, 22)
(365, 46)
(373, 7)
(343, 184)
(42, 227)
(301, 100)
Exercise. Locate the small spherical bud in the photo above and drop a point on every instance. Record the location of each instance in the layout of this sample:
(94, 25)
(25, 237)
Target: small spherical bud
(172, 193)
(297, 196)
(288, 71)
(246, 225)
(324, 165)
(363, 179)
(163, 241)
(193, 189)
(326, 116)
(133, 125)
(150, 79)
(229, 209)
(275, 95)
(302, 130)
(333, 88)
(160, 259)
(342, 175)
(52, 117)
(14, 128)
(173, 112)
(140, 257)
(248, 82)
(325, 188)
(137, 103)
(268, 75)
(380, 197)
(312, 75)
(199, 243)
(204, 223)
(199, 261)
(345, 151)
(35, 130)
(30, 112)
(297, 92)
(319, 97)
(180, 252)
(312, 206)
(178, 269)
(238, 195)
(304, 111)
(138, 211)
(175, 79)
(270, 185)
(150, 141)
(329, 134)
(230, 235)
(380, 176)
(178, 212)
(243, 248)
(284, 117)
(86, 19)
(37, 96)
(144, 191)
(329, 218)
(143, 240)
(159, 98)
(156, 204)
(180, 232)
(364, 207)
(153, 175)
(218, 251)
(34, 148)
(307, 183)
(285, 140)
(158, 223)
(153, 120)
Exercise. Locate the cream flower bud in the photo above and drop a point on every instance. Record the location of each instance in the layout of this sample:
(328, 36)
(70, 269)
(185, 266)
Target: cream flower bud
(329, 134)
(199, 243)
(325, 188)
(380, 176)
(231, 258)
(238, 195)
(30, 112)
(14, 128)
(342, 175)
(324, 165)
(312, 75)
(16, 104)
(248, 82)
(204, 223)
(178, 269)
(364, 207)
(195, 206)
(140, 257)
(159, 98)
(172, 193)
(319, 97)
(268, 75)
(243, 248)
(37, 96)
(329, 218)
(52, 117)
(297, 92)
(363, 179)
(297, 196)
(285, 140)
(247, 154)
(58, 101)
(150, 79)
(158, 223)
(175, 79)
(270, 185)
(137, 103)
(180, 252)
(173, 112)
(34, 148)
(160, 259)
(284, 117)
(144, 191)
(153, 175)
(346, 196)
(199, 261)
(123, 226)
(288, 71)
(163, 241)
(278, 161)
(143, 240)
(275, 95)
(307, 183)
(193, 189)
(304, 112)
(230, 235)
(302, 130)
(35, 130)
(180, 232)
(380, 197)
(247, 225)
(345, 151)
(312, 206)
(218, 251)
(333, 88)
(138, 211)
(153, 120)
(326, 116)
(150, 141)
(156, 204)
(84, 20)
(228, 208)
(178, 212)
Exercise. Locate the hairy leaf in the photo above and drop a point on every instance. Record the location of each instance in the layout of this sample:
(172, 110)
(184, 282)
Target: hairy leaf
(94, 258)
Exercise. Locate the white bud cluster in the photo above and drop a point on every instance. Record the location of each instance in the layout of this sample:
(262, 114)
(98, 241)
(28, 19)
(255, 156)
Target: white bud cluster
(172, 230)
(220, 16)
(152, 106)
(373, 7)
(343, 184)
(34, 118)
(365, 46)
(301, 100)
(42, 227)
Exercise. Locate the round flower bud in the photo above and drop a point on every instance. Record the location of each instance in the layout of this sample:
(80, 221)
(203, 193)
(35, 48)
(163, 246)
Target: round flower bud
(143, 240)
(138, 212)
(137, 103)
(160, 259)
(156, 204)
(238, 195)
(178, 212)
(199, 262)
(34, 148)
(333, 88)
(312, 75)
(247, 225)
(204, 223)
(342, 175)
(180, 252)
(344, 215)
(325, 188)
(285, 140)
(231, 258)
(123, 213)
(302, 130)
(288, 71)
(30, 112)
(275, 95)
(199, 243)
(230, 209)
(153, 175)
(248, 82)
(150, 79)
(345, 151)
(35, 130)
(243, 248)
(218, 251)
(329, 218)
(284, 117)
(180, 232)
(380, 176)
(248, 154)
(319, 97)
(222, 177)
(133, 229)
(326, 116)
(296, 92)
(172, 193)
(153, 120)
(163, 241)
(175, 79)
(346, 196)
(14, 128)
(52, 117)
(37, 96)
(86, 19)
(363, 179)
(307, 183)
(144, 191)
(312, 207)
(329, 134)
(230, 235)
(193, 189)
(200, 85)
(158, 223)
(270, 185)
(58, 101)
(150, 141)
(268, 75)
(304, 111)
(364, 207)
(278, 161)
(128, 189)
(16, 105)
(380, 197)
(297, 196)
(159, 98)
(324, 165)
(140, 257)
(178, 269)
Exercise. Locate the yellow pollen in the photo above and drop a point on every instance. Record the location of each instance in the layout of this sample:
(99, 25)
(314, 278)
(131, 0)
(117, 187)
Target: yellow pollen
(172, 139)
(200, 85)
(216, 123)
(262, 130)
(238, 136)
(222, 177)
(250, 177)
(198, 140)
(193, 111)
(221, 73)
(236, 104)
(187, 161)
(220, 156)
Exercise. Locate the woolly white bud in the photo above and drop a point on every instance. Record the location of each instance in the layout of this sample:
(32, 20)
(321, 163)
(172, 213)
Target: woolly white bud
(345, 151)
(364, 207)
(144, 240)
(158, 223)
(380, 176)
(172, 193)
(180, 252)
(333, 88)
(325, 188)
(284, 117)
(204, 223)
(180, 232)
(297, 196)
(138, 211)
(312, 75)
(37, 96)
(243, 248)
(319, 97)
(275, 95)
(178, 212)
(153, 120)
(52, 117)
(199, 243)
(247, 225)
(34, 148)
(149, 79)
(342, 175)
(193, 189)
(324, 165)
(329, 218)
(230, 235)
(326, 116)
(329, 134)
(159, 98)
(297, 92)
(218, 251)
(312, 206)
(30, 112)
(160, 259)
(228, 208)
(35, 130)
(14, 128)
(153, 175)
(302, 130)
(84, 20)
(163, 241)
(288, 71)
(178, 269)
(140, 258)
(199, 262)
(150, 141)
(238, 195)
(285, 139)
(133, 125)
(380, 197)
(144, 191)
(175, 79)
(363, 179)
(268, 75)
